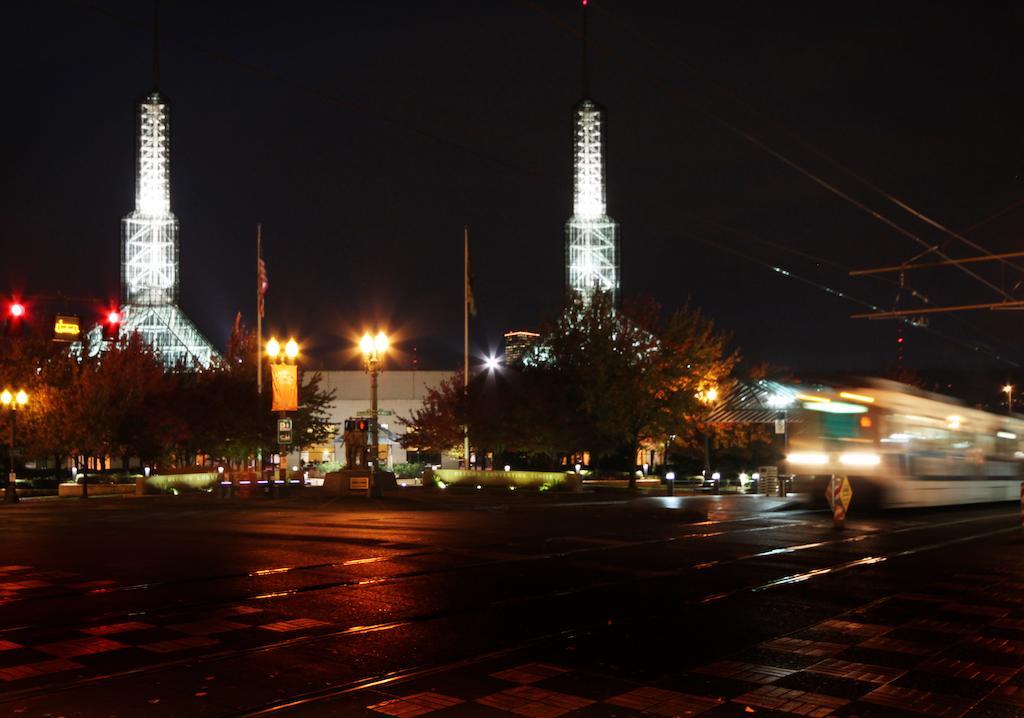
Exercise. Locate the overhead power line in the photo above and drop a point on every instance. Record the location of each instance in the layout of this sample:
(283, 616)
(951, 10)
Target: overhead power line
(1019, 304)
(782, 271)
(930, 265)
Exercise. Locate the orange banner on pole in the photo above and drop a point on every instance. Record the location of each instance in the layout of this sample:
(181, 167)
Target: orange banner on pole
(285, 380)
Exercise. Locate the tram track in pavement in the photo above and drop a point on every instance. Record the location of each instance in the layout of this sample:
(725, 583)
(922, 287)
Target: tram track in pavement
(779, 524)
(362, 582)
(313, 697)
(787, 579)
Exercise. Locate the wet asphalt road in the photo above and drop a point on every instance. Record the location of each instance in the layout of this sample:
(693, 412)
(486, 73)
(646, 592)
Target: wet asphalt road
(496, 605)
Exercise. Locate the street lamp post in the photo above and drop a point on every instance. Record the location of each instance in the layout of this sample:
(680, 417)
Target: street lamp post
(12, 402)
(1009, 398)
(708, 397)
(781, 403)
(289, 355)
(374, 349)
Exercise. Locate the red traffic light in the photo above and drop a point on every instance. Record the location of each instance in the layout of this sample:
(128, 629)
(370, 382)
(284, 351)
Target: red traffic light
(15, 324)
(111, 325)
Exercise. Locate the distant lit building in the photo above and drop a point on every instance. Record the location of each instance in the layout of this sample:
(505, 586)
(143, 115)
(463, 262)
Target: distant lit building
(592, 244)
(517, 344)
(399, 394)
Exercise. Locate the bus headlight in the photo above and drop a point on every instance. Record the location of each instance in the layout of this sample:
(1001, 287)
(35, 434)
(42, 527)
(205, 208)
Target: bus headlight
(860, 458)
(811, 458)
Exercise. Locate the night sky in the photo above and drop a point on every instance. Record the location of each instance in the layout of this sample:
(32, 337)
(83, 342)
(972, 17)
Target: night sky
(364, 135)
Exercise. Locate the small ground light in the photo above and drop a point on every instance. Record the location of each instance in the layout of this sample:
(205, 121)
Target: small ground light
(578, 467)
(507, 467)
(511, 488)
(671, 476)
(716, 476)
(479, 486)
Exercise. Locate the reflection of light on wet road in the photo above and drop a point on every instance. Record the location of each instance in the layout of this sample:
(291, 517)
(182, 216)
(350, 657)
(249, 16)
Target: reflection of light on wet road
(269, 571)
(797, 577)
(373, 559)
(807, 575)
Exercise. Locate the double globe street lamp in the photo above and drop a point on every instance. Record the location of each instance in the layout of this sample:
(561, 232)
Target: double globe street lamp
(12, 401)
(374, 348)
(277, 354)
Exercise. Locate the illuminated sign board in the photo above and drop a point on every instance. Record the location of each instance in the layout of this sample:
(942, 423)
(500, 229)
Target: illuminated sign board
(285, 383)
(66, 328)
(284, 431)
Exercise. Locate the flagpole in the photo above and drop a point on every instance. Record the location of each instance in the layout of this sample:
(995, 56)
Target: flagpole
(465, 333)
(259, 341)
(259, 313)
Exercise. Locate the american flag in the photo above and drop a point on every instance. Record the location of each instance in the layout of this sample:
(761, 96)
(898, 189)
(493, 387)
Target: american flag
(263, 283)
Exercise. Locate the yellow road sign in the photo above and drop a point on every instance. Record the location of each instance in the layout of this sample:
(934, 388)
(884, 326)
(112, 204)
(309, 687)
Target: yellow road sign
(839, 491)
(845, 493)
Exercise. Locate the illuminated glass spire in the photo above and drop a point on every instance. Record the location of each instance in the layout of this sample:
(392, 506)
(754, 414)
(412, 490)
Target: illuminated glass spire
(149, 235)
(149, 246)
(591, 236)
(149, 251)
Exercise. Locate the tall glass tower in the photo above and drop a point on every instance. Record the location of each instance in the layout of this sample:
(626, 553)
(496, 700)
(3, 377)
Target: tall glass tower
(592, 245)
(149, 235)
(149, 250)
(149, 254)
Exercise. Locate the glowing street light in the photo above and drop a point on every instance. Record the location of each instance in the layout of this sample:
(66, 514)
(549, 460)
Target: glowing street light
(492, 363)
(12, 401)
(779, 401)
(374, 349)
(273, 349)
(291, 350)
